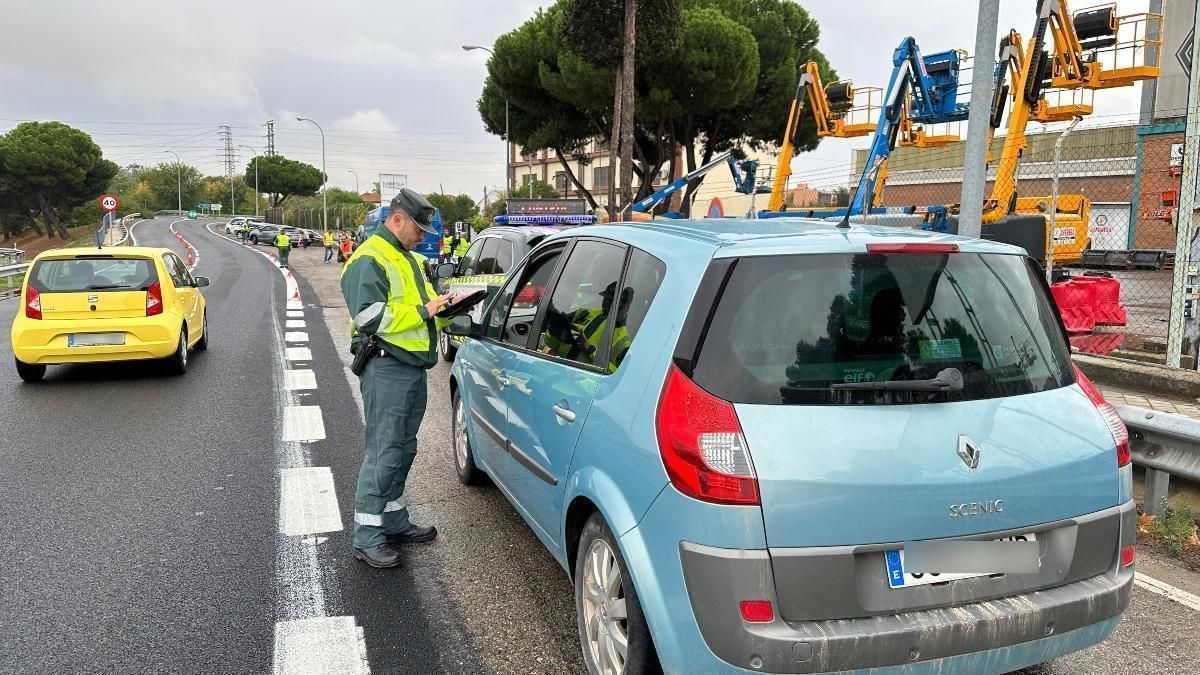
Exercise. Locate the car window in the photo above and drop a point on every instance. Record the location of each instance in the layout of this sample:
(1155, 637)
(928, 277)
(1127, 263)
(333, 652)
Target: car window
(642, 278)
(794, 328)
(487, 257)
(466, 266)
(92, 274)
(517, 303)
(173, 270)
(576, 321)
(504, 256)
(183, 271)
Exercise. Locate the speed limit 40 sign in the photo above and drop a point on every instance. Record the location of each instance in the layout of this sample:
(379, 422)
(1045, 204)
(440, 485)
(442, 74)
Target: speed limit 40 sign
(109, 202)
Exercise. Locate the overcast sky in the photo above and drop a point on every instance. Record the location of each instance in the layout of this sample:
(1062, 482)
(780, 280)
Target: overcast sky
(387, 80)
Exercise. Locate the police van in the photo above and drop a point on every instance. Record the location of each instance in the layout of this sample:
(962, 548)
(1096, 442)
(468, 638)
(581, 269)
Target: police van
(430, 247)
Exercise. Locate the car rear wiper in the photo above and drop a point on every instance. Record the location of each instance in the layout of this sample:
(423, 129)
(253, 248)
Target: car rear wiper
(101, 287)
(948, 379)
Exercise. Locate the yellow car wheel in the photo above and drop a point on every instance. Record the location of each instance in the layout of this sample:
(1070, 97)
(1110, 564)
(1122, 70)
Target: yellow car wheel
(30, 372)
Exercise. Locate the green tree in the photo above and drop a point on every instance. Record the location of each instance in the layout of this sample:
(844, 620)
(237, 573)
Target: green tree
(282, 177)
(164, 181)
(47, 166)
(454, 208)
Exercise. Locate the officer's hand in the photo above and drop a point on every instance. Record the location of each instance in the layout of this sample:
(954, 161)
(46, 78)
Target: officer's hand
(435, 305)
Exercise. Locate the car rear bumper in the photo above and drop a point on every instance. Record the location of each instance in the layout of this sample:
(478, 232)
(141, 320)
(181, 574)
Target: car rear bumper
(45, 342)
(996, 635)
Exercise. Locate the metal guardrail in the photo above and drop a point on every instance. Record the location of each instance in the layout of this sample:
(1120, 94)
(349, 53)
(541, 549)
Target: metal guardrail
(1165, 444)
(12, 263)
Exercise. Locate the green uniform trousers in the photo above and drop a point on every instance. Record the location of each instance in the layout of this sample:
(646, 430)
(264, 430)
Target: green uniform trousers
(393, 395)
(283, 255)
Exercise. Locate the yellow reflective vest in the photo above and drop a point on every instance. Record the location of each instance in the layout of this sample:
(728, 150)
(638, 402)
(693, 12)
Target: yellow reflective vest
(283, 241)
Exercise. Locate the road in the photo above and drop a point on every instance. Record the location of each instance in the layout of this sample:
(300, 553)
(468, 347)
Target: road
(144, 515)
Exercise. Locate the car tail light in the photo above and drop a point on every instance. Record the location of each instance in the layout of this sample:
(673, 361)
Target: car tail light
(912, 248)
(154, 304)
(1127, 555)
(528, 296)
(1116, 426)
(757, 611)
(33, 303)
(702, 446)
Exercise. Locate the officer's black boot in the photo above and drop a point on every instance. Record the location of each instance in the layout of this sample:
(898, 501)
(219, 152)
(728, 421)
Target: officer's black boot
(413, 534)
(381, 556)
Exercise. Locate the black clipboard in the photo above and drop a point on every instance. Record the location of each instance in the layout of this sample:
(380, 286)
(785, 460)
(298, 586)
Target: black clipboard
(463, 306)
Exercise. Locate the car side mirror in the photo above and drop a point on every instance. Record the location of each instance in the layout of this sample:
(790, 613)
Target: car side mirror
(444, 271)
(463, 326)
(201, 282)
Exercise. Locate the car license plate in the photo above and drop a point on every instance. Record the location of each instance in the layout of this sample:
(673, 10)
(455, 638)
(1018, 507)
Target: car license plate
(95, 339)
(898, 577)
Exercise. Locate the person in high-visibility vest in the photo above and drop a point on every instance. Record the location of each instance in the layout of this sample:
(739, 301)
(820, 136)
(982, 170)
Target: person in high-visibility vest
(461, 249)
(579, 337)
(245, 230)
(447, 247)
(283, 244)
(328, 240)
(393, 308)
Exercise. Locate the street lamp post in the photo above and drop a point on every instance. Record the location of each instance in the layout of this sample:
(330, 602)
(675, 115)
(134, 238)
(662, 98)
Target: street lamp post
(507, 143)
(257, 194)
(178, 177)
(324, 176)
(355, 179)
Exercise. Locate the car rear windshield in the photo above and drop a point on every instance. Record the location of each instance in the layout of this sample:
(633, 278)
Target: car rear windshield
(100, 273)
(789, 329)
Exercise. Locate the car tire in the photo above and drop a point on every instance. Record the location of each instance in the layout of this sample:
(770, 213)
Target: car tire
(598, 596)
(30, 372)
(254, 240)
(464, 457)
(177, 363)
(202, 343)
(448, 350)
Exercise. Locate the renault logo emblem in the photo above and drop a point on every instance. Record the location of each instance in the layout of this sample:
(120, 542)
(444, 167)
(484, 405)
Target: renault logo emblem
(969, 452)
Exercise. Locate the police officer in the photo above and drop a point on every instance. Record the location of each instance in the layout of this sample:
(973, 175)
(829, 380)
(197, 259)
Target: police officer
(460, 249)
(579, 339)
(390, 297)
(283, 244)
(245, 230)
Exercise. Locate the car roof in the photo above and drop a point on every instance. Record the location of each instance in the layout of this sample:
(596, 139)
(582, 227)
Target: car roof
(733, 237)
(115, 251)
(524, 232)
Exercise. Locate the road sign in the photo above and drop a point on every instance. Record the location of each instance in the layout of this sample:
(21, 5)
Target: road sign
(202, 206)
(109, 203)
(192, 215)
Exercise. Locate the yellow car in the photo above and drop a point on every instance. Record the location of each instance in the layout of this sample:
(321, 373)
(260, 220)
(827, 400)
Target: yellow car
(88, 305)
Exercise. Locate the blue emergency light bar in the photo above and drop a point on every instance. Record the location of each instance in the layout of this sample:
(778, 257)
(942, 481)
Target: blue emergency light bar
(545, 220)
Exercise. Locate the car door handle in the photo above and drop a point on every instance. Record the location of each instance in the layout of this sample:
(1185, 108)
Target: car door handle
(566, 414)
(501, 378)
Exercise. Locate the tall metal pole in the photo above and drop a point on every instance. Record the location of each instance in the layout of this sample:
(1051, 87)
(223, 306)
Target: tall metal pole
(257, 194)
(1050, 234)
(355, 180)
(324, 176)
(508, 175)
(1183, 286)
(975, 164)
(178, 177)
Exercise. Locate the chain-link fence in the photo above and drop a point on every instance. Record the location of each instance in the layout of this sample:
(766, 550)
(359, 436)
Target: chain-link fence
(345, 217)
(1109, 243)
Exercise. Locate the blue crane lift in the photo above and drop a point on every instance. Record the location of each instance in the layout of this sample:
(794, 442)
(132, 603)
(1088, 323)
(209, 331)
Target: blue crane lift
(744, 175)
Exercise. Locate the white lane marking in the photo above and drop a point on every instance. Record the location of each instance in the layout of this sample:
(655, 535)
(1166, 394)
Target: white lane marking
(328, 644)
(295, 336)
(299, 379)
(299, 354)
(303, 423)
(1167, 591)
(307, 501)
(193, 256)
(295, 314)
(133, 239)
(294, 323)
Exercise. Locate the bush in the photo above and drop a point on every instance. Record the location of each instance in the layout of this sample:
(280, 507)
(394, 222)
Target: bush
(1177, 529)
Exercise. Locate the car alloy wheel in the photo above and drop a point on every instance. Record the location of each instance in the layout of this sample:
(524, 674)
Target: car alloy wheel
(606, 620)
(461, 450)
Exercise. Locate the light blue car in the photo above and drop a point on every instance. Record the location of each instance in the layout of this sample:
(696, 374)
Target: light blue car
(786, 446)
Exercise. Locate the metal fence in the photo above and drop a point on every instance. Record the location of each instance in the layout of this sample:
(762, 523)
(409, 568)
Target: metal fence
(1111, 194)
(12, 269)
(340, 216)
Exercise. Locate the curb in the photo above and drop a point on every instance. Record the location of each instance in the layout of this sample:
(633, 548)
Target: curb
(1139, 376)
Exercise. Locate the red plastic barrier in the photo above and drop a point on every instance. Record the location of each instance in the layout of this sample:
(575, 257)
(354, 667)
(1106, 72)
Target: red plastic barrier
(1101, 344)
(1107, 293)
(1075, 304)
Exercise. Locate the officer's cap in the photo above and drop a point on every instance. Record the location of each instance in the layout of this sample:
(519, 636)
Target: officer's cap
(416, 206)
(611, 290)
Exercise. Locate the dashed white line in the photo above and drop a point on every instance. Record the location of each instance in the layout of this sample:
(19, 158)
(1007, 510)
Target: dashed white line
(294, 323)
(299, 379)
(295, 314)
(295, 336)
(328, 644)
(307, 501)
(303, 423)
(298, 354)
(1167, 591)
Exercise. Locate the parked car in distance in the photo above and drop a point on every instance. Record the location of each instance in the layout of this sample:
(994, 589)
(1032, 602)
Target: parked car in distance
(786, 446)
(485, 265)
(265, 234)
(87, 305)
